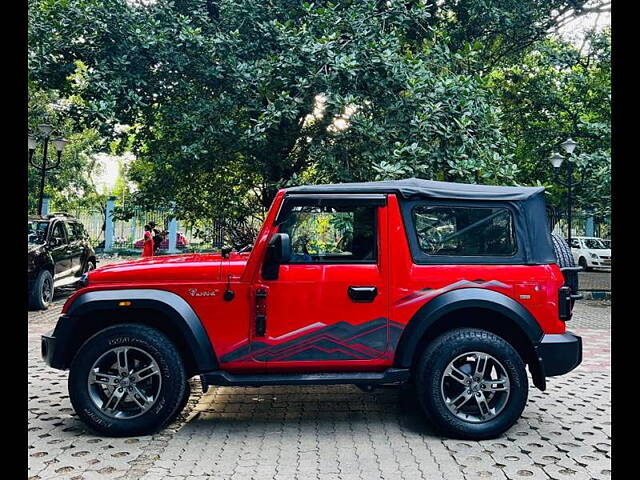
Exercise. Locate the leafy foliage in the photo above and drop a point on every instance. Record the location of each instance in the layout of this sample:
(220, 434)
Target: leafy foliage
(70, 184)
(230, 100)
(555, 93)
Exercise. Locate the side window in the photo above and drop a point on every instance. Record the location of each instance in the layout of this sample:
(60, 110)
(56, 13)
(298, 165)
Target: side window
(69, 232)
(58, 233)
(331, 234)
(79, 230)
(464, 231)
(72, 232)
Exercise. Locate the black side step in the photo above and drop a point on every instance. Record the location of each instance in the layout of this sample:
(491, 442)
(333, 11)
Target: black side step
(220, 377)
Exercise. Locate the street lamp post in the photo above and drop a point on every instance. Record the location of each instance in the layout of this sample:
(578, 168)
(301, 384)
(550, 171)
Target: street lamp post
(556, 160)
(59, 143)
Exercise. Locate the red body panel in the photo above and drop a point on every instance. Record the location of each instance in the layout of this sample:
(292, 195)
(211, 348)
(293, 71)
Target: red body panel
(308, 310)
(541, 282)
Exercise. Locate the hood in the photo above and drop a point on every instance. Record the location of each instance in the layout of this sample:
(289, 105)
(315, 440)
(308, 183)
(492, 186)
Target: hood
(195, 267)
(34, 247)
(35, 256)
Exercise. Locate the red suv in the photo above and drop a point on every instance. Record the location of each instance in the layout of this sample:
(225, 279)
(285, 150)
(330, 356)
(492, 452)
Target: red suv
(453, 288)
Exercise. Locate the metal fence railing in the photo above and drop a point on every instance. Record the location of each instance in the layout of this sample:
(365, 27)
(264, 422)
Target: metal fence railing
(128, 234)
(582, 224)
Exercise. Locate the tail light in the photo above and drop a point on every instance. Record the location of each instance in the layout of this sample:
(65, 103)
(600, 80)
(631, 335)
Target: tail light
(568, 293)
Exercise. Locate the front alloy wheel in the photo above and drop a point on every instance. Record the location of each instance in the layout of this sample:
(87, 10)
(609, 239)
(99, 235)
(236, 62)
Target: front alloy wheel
(127, 379)
(41, 293)
(46, 293)
(124, 382)
(583, 263)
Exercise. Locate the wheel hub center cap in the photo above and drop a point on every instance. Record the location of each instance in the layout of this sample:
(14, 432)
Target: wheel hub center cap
(125, 382)
(474, 386)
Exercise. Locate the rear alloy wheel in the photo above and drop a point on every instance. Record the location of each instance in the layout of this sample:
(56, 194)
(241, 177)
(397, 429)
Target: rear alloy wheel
(475, 387)
(471, 384)
(127, 380)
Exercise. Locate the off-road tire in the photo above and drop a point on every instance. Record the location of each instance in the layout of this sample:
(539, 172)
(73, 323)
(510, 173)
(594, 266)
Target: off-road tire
(564, 258)
(563, 253)
(182, 403)
(37, 300)
(153, 343)
(431, 366)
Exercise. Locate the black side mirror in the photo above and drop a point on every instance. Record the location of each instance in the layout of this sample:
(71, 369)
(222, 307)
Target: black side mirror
(278, 252)
(55, 242)
(226, 250)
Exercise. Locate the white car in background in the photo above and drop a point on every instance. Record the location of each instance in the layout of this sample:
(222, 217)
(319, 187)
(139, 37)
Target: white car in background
(590, 252)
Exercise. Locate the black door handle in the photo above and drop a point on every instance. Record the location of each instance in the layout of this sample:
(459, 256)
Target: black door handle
(362, 294)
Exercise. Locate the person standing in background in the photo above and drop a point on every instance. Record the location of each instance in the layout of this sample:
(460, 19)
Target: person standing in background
(147, 249)
(158, 237)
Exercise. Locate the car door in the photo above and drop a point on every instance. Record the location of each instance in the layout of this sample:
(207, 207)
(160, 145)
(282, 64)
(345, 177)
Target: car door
(58, 246)
(328, 308)
(75, 248)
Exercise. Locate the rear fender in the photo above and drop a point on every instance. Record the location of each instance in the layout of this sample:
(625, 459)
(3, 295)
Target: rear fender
(510, 317)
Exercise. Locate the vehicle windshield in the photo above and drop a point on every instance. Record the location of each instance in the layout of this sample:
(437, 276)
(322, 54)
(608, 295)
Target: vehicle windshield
(37, 232)
(594, 243)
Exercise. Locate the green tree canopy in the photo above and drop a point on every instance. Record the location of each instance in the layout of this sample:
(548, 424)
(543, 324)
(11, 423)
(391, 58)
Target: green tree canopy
(70, 184)
(229, 100)
(555, 93)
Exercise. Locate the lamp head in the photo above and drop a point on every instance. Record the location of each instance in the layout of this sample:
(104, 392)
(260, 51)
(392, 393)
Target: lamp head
(32, 142)
(60, 143)
(569, 145)
(45, 129)
(556, 160)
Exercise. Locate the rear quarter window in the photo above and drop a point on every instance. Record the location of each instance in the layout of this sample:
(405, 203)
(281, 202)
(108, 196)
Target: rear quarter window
(461, 231)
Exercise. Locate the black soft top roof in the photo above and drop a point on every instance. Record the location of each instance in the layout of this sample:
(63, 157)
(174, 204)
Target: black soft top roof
(527, 204)
(417, 187)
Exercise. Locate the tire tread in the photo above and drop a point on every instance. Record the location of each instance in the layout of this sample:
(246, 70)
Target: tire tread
(35, 297)
(171, 356)
(440, 348)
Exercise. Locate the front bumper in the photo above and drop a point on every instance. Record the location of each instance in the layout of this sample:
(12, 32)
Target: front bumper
(556, 354)
(55, 345)
(48, 350)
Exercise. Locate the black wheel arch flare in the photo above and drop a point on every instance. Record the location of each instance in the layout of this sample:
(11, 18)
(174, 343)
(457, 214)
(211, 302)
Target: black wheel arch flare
(430, 320)
(169, 305)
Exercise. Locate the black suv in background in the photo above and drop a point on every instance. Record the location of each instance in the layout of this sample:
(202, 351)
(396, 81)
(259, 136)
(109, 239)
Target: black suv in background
(59, 253)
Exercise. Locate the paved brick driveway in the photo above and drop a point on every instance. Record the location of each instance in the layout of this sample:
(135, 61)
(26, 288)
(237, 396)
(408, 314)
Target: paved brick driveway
(330, 432)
